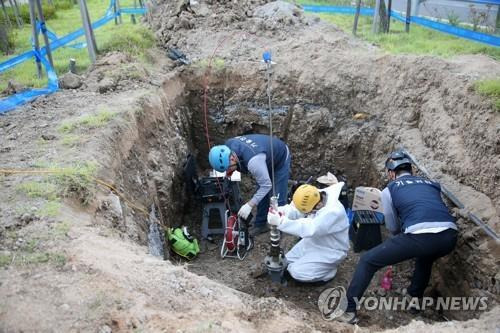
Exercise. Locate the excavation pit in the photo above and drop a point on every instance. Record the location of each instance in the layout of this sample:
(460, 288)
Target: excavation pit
(325, 132)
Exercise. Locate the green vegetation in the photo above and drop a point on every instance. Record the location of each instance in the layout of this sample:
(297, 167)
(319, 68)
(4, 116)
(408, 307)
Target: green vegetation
(491, 89)
(419, 41)
(87, 121)
(50, 209)
(348, 3)
(31, 252)
(70, 140)
(216, 64)
(128, 38)
(62, 228)
(49, 12)
(42, 189)
(75, 180)
(135, 42)
(5, 260)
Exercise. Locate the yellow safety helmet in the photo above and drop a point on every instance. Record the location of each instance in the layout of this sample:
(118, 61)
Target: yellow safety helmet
(306, 197)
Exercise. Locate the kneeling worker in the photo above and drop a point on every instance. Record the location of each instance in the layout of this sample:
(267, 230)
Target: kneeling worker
(318, 217)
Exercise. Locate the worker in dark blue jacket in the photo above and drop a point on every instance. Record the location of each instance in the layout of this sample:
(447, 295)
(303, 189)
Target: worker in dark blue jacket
(253, 154)
(423, 228)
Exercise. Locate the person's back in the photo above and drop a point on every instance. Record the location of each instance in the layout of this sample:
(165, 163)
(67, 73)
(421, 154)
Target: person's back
(418, 203)
(423, 230)
(248, 146)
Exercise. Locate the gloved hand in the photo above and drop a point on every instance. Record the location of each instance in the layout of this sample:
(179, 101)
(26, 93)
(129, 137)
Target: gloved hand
(244, 211)
(274, 218)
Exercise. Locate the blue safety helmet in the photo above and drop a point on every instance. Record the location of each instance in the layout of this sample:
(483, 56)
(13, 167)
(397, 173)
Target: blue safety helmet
(396, 159)
(219, 157)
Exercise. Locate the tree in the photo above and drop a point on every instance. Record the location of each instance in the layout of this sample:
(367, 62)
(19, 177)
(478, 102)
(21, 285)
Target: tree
(6, 40)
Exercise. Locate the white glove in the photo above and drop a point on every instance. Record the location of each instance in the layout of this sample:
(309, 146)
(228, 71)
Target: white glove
(274, 218)
(244, 211)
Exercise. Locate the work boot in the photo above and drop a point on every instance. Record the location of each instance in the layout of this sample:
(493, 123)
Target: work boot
(348, 317)
(259, 229)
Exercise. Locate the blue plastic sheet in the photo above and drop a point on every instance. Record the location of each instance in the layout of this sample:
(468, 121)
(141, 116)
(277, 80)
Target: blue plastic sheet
(15, 100)
(11, 102)
(446, 28)
(336, 9)
(52, 36)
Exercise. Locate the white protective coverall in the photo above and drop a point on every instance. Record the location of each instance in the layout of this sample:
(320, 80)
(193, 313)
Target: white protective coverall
(325, 238)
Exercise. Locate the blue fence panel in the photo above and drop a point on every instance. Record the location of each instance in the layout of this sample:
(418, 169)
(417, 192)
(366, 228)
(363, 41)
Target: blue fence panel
(457, 31)
(442, 27)
(11, 102)
(336, 9)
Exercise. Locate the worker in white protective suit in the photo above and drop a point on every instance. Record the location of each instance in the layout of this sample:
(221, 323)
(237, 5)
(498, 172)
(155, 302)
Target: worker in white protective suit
(320, 220)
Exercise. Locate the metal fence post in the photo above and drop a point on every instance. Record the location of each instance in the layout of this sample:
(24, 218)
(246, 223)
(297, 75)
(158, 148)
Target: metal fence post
(356, 17)
(376, 19)
(44, 31)
(408, 10)
(89, 33)
(34, 33)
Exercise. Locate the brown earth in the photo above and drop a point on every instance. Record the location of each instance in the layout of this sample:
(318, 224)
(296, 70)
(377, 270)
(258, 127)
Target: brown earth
(340, 103)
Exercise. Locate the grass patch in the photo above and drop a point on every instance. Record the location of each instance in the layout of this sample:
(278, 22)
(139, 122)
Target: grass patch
(33, 258)
(62, 228)
(134, 42)
(5, 260)
(43, 189)
(217, 64)
(77, 180)
(70, 140)
(50, 209)
(420, 40)
(129, 38)
(88, 121)
(491, 89)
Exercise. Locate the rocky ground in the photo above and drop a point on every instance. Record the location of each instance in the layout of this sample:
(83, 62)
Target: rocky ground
(73, 243)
